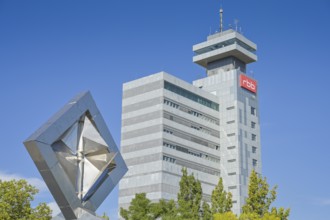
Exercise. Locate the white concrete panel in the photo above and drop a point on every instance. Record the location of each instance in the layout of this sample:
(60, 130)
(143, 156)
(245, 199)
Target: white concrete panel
(141, 139)
(142, 97)
(143, 111)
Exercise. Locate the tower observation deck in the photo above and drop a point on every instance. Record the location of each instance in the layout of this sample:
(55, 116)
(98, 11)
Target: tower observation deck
(225, 50)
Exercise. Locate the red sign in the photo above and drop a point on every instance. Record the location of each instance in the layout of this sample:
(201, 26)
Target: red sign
(248, 83)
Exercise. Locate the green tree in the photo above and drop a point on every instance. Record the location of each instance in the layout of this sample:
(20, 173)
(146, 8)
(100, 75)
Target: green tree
(269, 216)
(189, 197)
(15, 201)
(249, 216)
(260, 199)
(164, 209)
(254, 216)
(225, 216)
(221, 200)
(139, 209)
(282, 213)
(206, 213)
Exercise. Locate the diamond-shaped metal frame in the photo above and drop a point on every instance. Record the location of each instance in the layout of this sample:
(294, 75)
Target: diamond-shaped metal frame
(39, 146)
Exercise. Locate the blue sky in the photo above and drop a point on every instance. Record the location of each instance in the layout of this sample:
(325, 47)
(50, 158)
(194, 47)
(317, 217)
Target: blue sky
(51, 50)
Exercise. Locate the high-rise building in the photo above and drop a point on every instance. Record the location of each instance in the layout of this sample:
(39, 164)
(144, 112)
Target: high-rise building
(211, 127)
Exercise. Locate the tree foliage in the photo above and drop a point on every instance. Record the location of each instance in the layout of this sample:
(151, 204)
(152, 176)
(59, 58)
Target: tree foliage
(15, 201)
(140, 209)
(206, 211)
(191, 207)
(260, 199)
(189, 196)
(225, 216)
(254, 216)
(188, 207)
(221, 200)
(164, 209)
(282, 213)
(249, 216)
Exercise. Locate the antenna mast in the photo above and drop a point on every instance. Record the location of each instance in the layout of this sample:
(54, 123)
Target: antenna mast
(236, 23)
(221, 13)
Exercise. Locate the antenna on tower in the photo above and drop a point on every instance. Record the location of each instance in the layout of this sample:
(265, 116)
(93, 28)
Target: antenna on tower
(221, 14)
(252, 73)
(236, 23)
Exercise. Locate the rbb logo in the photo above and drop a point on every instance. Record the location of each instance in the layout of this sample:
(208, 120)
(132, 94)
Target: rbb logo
(248, 83)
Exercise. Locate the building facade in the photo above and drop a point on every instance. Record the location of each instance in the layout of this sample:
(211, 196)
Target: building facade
(211, 126)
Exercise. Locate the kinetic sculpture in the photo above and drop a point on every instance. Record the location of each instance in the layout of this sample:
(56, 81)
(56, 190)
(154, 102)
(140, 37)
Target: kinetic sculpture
(77, 157)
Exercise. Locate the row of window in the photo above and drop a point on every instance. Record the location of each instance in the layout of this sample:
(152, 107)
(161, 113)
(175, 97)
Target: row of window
(201, 129)
(193, 139)
(252, 109)
(224, 44)
(169, 159)
(187, 151)
(189, 95)
(189, 111)
(254, 149)
(253, 112)
(168, 131)
(253, 136)
(169, 103)
(253, 124)
(192, 166)
(254, 163)
(202, 116)
(191, 124)
(231, 122)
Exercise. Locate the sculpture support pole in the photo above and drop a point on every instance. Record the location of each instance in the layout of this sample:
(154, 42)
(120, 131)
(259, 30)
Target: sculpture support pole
(80, 176)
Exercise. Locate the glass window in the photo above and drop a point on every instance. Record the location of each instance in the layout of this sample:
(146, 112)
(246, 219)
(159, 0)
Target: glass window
(253, 110)
(254, 162)
(189, 95)
(225, 44)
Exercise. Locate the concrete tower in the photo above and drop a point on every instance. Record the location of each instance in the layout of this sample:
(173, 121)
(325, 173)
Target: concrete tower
(224, 56)
(211, 127)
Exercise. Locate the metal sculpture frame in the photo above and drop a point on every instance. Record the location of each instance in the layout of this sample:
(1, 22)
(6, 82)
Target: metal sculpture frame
(77, 158)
